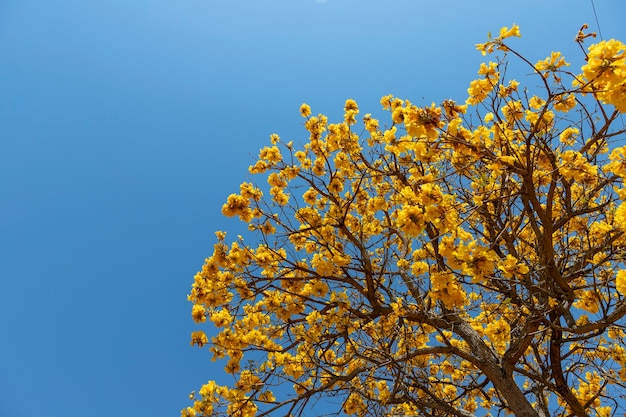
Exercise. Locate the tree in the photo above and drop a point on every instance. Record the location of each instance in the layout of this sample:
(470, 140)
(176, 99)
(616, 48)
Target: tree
(458, 260)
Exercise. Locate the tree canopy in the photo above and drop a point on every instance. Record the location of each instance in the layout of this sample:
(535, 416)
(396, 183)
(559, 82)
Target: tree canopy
(450, 260)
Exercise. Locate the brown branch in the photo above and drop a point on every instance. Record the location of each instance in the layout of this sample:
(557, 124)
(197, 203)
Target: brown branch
(556, 365)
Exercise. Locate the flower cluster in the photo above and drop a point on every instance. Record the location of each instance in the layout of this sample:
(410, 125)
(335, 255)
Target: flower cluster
(446, 258)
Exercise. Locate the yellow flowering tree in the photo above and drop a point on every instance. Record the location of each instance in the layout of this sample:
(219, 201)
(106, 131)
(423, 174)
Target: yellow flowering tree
(453, 260)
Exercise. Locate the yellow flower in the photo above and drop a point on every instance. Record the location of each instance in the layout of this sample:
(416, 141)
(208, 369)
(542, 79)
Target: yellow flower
(351, 105)
(397, 115)
(351, 110)
(267, 397)
(221, 318)
(618, 162)
(564, 103)
(536, 103)
(411, 220)
(620, 282)
(271, 155)
(385, 101)
(513, 111)
(258, 168)
(279, 196)
(371, 125)
(605, 71)
(510, 267)
(606, 60)
(199, 338)
(249, 191)
(198, 313)
(506, 91)
(568, 136)
(507, 33)
(208, 389)
(488, 69)
(479, 90)
(447, 289)
(305, 110)
(488, 47)
(353, 405)
(498, 331)
(552, 63)
(237, 205)
(419, 268)
(248, 381)
(485, 48)
(188, 412)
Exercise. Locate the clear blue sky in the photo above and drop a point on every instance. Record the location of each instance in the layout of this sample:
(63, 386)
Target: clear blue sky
(125, 124)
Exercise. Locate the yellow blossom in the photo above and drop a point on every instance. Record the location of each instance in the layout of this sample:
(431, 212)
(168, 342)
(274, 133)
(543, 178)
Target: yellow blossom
(568, 136)
(620, 282)
(507, 33)
(305, 110)
(198, 313)
(199, 338)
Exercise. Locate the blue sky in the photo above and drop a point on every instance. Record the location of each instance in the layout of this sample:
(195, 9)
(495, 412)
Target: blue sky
(124, 125)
